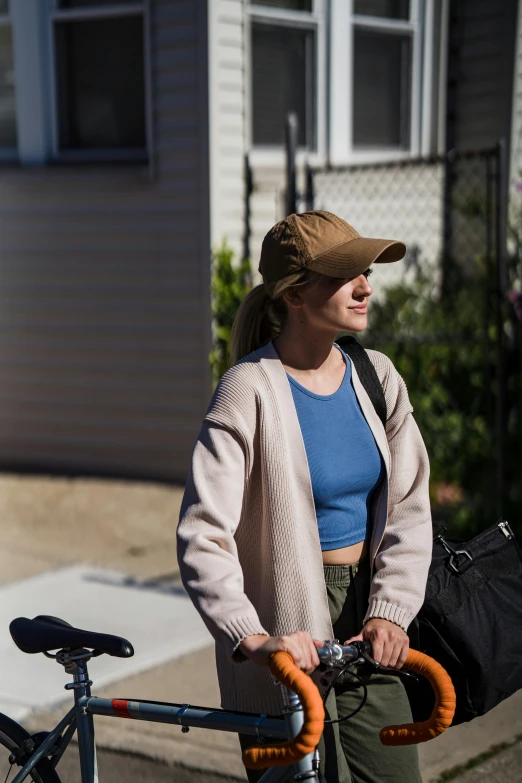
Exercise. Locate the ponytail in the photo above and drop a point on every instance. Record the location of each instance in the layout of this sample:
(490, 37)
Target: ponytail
(258, 320)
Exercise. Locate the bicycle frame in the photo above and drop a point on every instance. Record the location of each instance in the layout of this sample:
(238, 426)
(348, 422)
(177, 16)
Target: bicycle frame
(80, 718)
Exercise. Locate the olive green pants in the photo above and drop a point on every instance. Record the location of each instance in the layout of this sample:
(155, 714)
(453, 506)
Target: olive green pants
(351, 751)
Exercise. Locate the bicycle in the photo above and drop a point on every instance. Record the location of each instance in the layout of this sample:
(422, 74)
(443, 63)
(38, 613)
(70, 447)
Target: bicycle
(299, 727)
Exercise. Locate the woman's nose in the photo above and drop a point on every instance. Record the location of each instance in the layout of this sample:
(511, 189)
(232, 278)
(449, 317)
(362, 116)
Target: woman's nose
(363, 287)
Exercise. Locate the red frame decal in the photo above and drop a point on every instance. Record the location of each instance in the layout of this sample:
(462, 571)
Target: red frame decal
(120, 708)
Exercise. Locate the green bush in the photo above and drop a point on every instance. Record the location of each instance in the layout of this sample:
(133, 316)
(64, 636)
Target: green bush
(231, 282)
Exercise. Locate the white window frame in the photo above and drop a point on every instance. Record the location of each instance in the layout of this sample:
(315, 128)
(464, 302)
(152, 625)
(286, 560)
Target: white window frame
(342, 26)
(309, 20)
(8, 153)
(33, 24)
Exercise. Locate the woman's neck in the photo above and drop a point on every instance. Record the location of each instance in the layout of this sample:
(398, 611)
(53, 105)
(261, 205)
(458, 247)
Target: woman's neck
(300, 350)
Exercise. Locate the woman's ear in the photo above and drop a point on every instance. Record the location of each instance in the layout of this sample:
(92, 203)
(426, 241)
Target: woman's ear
(292, 297)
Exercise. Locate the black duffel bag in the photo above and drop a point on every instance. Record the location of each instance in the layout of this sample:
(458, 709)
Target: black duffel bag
(471, 621)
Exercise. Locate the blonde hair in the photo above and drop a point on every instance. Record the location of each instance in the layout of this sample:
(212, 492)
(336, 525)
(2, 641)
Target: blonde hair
(262, 314)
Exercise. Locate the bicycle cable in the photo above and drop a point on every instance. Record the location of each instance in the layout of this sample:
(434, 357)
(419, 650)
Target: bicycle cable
(359, 706)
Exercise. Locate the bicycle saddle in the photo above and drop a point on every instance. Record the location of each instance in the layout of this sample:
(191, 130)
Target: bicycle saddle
(44, 633)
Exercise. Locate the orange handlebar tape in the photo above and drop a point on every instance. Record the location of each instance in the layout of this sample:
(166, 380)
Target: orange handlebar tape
(442, 715)
(284, 669)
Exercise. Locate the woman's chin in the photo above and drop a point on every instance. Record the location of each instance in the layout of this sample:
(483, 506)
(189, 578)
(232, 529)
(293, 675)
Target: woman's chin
(357, 324)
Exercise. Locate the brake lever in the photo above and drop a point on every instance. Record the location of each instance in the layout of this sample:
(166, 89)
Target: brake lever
(388, 670)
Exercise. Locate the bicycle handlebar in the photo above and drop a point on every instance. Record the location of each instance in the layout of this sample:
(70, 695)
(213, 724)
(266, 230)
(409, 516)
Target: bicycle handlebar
(283, 668)
(443, 712)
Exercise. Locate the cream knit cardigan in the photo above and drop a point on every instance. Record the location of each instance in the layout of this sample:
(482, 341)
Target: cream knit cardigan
(248, 542)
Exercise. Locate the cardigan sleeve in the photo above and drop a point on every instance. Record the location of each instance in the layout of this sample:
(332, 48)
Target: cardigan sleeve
(404, 555)
(207, 552)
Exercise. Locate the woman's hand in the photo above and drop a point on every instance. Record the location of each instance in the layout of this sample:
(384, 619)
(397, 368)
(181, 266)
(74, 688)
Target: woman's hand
(300, 645)
(390, 644)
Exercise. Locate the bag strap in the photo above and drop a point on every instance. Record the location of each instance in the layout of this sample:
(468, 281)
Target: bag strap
(367, 373)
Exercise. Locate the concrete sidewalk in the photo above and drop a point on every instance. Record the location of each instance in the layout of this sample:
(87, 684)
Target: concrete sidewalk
(51, 522)
(503, 766)
(130, 527)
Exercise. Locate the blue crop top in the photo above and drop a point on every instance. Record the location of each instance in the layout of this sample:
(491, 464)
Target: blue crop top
(345, 464)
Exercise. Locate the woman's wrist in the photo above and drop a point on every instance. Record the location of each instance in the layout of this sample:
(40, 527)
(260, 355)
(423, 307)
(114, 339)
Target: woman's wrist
(252, 643)
(380, 620)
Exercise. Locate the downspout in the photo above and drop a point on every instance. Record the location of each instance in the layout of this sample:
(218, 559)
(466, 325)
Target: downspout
(451, 83)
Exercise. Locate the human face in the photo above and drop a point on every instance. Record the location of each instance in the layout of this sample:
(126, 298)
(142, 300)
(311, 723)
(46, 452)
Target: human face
(332, 303)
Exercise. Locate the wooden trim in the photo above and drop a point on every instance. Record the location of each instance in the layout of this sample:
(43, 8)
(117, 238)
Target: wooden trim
(204, 62)
(341, 80)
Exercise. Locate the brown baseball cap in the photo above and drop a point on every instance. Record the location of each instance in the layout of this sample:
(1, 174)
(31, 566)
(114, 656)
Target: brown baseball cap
(324, 243)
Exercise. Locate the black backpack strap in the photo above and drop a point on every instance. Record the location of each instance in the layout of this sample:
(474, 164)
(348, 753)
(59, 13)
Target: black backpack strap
(367, 373)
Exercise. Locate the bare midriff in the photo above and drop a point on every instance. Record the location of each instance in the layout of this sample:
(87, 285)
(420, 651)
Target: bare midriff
(347, 555)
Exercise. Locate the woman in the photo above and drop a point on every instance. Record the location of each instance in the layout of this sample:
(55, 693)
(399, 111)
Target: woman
(303, 519)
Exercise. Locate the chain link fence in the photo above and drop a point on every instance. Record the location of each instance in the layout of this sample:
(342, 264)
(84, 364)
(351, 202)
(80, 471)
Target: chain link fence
(402, 201)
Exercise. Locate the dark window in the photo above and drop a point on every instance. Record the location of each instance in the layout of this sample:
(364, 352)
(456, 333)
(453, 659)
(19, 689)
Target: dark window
(283, 81)
(7, 89)
(382, 89)
(4, 6)
(390, 9)
(293, 5)
(100, 79)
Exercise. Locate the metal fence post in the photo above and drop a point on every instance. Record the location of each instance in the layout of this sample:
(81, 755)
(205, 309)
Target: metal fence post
(291, 128)
(447, 212)
(249, 188)
(500, 260)
(309, 188)
(489, 305)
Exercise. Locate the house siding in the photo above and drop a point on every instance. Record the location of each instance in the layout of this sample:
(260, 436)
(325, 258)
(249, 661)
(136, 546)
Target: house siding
(516, 126)
(482, 34)
(104, 288)
(227, 96)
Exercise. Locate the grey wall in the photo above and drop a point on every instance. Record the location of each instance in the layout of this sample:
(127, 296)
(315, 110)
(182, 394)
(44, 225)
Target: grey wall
(104, 289)
(516, 125)
(481, 45)
(228, 66)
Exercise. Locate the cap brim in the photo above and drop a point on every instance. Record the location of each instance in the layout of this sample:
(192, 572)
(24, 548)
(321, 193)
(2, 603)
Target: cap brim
(352, 258)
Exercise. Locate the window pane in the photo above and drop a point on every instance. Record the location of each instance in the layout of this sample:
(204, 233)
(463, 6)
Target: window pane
(7, 90)
(283, 81)
(91, 3)
(294, 5)
(382, 89)
(101, 91)
(4, 6)
(391, 9)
